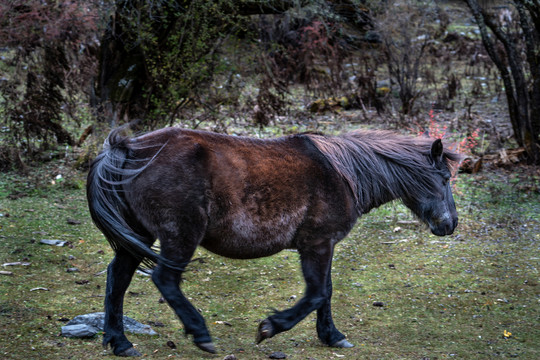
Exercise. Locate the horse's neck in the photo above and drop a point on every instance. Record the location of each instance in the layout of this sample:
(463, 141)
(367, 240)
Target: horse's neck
(377, 190)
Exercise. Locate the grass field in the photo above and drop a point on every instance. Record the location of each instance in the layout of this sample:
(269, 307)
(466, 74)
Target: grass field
(472, 295)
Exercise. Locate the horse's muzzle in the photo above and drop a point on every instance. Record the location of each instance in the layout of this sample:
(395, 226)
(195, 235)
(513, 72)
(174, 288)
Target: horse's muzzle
(444, 228)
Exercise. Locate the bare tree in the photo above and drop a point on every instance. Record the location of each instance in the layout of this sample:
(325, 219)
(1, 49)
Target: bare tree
(511, 36)
(406, 33)
(47, 61)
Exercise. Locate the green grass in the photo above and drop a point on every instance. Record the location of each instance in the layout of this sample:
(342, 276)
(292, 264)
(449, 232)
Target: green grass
(444, 298)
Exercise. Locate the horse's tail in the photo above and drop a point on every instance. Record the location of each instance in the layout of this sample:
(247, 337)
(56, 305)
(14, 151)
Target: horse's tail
(107, 203)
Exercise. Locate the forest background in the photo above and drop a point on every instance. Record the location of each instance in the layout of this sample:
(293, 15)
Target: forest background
(465, 71)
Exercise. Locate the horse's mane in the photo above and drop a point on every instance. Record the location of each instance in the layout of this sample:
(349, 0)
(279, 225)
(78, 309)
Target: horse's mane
(380, 166)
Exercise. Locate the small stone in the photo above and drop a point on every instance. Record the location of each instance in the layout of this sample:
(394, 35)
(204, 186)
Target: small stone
(17, 263)
(53, 242)
(156, 323)
(277, 355)
(230, 357)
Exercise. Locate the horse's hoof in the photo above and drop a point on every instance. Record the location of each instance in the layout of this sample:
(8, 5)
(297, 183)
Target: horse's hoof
(265, 331)
(342, 344)
(130, 352)
(207, 346)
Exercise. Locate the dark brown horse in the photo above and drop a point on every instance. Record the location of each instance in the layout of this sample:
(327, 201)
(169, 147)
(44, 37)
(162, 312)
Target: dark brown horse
(247, 198)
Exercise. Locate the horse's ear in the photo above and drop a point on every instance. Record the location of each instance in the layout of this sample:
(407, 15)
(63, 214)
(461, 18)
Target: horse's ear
(437, 150)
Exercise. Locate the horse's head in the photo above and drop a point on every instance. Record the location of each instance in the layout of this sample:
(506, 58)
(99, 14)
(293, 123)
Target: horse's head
(436, 207)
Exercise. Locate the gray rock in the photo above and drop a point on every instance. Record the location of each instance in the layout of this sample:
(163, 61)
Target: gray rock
(79, 331)
(96, 320)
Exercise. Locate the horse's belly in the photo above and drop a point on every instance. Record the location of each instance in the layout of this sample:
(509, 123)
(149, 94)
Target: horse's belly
(246, 237)
(240, 248)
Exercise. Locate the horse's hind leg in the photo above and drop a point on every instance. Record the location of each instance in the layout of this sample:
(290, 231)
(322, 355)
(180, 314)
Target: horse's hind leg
(168, 282)
(119, 274)
(178, 243)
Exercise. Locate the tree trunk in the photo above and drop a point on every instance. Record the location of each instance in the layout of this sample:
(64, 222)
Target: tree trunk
(122, 74)
(523, 104)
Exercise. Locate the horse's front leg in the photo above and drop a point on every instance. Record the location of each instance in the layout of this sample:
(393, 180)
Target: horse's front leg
(327, 331)
(316, 263)
(119, 274)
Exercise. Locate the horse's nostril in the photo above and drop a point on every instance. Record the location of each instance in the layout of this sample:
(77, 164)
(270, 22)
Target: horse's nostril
(451, 227)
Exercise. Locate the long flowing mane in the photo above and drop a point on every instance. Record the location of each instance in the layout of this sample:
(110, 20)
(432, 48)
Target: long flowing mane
(380, 166)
